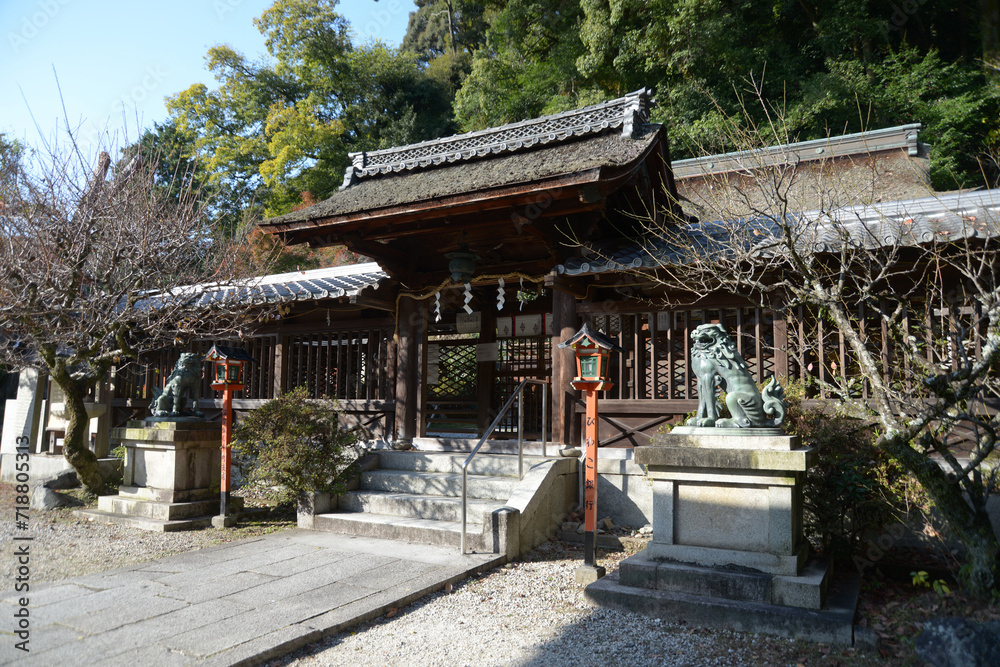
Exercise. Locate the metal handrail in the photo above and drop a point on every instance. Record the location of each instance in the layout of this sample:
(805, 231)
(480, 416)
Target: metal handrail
(520, 440)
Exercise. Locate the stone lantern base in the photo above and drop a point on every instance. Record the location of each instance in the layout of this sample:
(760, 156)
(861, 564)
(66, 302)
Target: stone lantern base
(727, 547)
(171, 476)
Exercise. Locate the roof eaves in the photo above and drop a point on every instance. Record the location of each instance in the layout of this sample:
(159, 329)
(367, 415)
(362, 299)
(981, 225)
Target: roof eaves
(449, 202)
(911, 222)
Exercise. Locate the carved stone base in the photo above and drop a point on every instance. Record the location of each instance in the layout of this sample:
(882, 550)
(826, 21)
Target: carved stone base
(727, 547)
(171, 461)
(171, 476)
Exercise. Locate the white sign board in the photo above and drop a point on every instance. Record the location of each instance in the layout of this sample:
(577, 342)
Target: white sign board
(487, 352)
(505, 327)
(468, 323)
(528, 325)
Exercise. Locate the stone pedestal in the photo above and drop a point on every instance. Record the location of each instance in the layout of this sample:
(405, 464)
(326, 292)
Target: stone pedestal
(171, 461)
(727, 547)
(728, 500)
(171, 476)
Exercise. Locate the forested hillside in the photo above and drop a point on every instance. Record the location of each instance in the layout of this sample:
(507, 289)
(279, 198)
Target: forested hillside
(277, 128)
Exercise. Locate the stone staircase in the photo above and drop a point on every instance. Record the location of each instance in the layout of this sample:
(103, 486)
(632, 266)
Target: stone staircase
(416, 496)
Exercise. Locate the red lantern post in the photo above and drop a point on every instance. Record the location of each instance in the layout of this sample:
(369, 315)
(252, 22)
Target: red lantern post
(593, 350)
(227, 377)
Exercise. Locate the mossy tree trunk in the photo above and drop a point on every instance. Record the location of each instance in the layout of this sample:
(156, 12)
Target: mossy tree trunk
(75, 445)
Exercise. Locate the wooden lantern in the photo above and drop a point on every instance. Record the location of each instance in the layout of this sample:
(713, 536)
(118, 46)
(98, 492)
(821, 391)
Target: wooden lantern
(227, 366)
(593, 350)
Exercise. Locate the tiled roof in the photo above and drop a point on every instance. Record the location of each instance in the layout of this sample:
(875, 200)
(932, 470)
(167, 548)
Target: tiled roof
(625, 112)
(912, 222)
(860, 143)
(449, 180)
(311, 285)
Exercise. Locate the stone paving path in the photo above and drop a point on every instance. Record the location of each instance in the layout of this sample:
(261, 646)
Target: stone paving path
(239, 603)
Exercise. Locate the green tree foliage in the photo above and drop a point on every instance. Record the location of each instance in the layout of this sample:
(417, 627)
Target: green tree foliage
(527, 65)
(440, 27)
(294, 443)
(443, 34)
(831, 67)
(283, 124)
(11, 154)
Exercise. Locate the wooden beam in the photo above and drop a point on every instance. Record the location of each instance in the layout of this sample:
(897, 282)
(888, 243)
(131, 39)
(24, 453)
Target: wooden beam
(378, 251)
(575, 287)
(287, 327)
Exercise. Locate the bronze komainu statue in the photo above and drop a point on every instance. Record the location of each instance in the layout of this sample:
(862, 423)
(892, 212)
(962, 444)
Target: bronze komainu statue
(716, 362)
(183, 389)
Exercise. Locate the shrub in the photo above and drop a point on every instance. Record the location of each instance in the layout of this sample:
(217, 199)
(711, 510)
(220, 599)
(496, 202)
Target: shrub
(855, 488)
(295, 444)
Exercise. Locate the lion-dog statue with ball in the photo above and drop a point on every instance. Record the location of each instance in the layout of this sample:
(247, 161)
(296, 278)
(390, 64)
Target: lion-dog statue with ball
(717, 363)
(183, 389)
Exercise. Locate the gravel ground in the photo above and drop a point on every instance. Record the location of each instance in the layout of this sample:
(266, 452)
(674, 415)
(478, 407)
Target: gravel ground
(530, 612)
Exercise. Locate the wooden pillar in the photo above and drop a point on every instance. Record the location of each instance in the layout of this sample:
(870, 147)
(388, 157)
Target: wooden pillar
(419, 386)
(565, 323)
(278, 381)
(410, 331)
(486, 371)
(780, 331)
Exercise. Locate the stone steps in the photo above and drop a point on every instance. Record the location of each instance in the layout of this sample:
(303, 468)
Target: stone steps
(495, 487)
(160, 511)
(415, 496)
(465, 445)
(382, 526)
(437, 508)
(498, 465)
(144, 523)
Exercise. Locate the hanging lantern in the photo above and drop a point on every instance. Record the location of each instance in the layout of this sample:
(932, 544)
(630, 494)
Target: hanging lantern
(462, 262)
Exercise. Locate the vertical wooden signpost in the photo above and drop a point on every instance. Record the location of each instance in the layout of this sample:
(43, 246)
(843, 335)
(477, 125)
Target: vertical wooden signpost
(227, 449)
(592, 350)
(227, 377)
(590, 483)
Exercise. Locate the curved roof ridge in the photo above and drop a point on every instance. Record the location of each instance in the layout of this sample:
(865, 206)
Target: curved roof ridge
(626, 112)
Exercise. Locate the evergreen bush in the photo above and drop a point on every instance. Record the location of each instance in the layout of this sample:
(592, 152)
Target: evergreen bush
(294, 444)
(855, 489)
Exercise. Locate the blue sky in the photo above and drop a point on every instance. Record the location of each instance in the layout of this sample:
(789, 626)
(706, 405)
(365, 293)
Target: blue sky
(110, 54)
